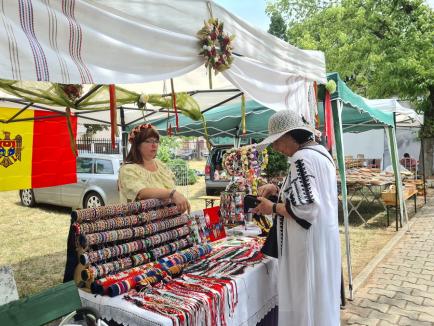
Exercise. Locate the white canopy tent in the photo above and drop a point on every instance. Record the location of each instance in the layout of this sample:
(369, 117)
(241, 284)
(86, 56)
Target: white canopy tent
(405, 117)
(134, 43)
(105, 42)
(408, 122)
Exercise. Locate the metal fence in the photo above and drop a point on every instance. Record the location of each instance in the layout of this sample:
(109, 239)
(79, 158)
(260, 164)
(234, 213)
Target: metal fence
(181, 174)
(98, 146)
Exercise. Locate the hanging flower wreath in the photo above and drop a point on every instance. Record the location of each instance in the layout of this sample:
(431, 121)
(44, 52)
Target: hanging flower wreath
(72, 91)
(245, 161)
(216, 45)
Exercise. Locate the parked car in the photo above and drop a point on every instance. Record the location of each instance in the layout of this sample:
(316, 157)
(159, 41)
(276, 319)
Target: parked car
(97, 177)
(214, 161)
(186, 155)
(199, 173)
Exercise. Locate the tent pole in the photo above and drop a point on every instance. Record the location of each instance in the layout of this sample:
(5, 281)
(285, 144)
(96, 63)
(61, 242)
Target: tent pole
(393, 148)
(337, 107)
(222, 102)
(124, 135)
(89, 93)
(19, 112)
(404, 205)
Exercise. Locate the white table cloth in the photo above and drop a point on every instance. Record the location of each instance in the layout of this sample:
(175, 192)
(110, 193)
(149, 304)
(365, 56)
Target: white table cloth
(257, 295)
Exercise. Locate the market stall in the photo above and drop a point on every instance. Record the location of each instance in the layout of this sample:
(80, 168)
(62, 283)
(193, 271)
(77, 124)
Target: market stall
(55, 47)
(135, 269)
(408, 124)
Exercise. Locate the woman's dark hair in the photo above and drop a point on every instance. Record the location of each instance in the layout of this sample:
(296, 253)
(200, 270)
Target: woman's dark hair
(134, 155)
(301, 136)
(406, 155)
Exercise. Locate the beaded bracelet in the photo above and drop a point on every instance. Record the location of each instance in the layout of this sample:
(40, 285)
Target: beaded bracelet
(101, 285)
(104, 212)
(86, 240)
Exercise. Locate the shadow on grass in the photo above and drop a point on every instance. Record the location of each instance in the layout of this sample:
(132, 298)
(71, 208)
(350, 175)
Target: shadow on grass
(39, 273)
(375, 214)
(371, 213)
(48, 208)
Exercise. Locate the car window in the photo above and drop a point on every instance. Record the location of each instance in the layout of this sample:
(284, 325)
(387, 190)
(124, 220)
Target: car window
(217, 158)
(104, 167)
(84, 165)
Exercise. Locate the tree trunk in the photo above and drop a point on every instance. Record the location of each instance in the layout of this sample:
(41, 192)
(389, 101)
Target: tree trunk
(428, 134)
(428, 153)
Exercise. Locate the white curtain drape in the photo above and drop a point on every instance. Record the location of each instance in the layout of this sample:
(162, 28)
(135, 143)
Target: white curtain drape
(117, 41)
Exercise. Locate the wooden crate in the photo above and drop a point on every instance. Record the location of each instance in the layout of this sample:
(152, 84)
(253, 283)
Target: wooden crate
(389, 196)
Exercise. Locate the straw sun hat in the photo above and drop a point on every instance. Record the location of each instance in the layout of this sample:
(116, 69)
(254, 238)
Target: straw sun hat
(280, 123)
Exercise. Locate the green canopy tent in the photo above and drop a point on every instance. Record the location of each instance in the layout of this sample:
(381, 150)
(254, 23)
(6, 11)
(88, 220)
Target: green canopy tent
(352, 114)
(222, 122)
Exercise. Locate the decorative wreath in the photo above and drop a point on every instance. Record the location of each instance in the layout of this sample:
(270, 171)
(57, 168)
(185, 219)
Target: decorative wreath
(245, 161)
(72, 91)
(216, 45)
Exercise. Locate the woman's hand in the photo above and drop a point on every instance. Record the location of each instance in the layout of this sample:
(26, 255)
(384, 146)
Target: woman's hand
(181, 202)
(268, 190)
(265, 207)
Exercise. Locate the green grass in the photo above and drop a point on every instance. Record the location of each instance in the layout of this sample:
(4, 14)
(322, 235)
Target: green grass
(33, 242)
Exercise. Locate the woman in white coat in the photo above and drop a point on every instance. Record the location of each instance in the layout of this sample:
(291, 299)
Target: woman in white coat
(308, 234)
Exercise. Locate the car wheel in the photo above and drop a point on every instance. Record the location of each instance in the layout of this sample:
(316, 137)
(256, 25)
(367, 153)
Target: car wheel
(210, 192)
(27, 197)
(93, 200)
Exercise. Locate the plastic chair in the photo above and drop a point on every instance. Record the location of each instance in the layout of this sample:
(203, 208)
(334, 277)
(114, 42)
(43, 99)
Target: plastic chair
(52, 304)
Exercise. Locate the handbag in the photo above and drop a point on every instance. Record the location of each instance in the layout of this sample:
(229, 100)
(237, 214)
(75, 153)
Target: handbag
(271, 247)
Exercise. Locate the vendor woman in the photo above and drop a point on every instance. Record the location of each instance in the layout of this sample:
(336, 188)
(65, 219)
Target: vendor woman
(143, 176)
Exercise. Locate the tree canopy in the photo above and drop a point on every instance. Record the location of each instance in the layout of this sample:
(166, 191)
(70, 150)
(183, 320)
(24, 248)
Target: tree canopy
(381, 48)
(277, 26)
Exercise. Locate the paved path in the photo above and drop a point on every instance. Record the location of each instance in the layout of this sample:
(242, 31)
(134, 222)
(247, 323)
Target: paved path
(400, 291)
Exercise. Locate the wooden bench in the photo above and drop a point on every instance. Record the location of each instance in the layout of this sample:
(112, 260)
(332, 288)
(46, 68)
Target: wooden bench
(390, 201)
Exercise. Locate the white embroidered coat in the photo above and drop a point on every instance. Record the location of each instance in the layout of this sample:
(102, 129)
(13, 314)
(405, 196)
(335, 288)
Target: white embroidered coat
(310, 260)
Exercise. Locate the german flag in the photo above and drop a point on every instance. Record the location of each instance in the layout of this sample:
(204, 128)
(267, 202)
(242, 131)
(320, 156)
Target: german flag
(37, 152)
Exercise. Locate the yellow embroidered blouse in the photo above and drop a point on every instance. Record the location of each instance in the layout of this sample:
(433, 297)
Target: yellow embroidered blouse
(134, 177)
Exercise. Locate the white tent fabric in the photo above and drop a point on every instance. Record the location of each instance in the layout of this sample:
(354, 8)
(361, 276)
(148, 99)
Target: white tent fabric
(116, 41)
(404, 117)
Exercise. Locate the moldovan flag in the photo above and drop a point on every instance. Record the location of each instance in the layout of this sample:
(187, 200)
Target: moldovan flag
(37, 152)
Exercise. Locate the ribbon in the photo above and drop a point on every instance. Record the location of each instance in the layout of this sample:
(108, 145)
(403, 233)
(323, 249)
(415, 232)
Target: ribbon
(113, 115)
(174, 104)
(315, 88)
(328, 120)
(243, 114)
(71, 134)
(210, 76)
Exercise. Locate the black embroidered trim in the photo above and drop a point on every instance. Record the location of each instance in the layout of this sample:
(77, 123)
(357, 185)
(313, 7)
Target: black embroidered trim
(302, 222)
(291, 197)
(281, 233)
(295, 189)
(303, 176)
